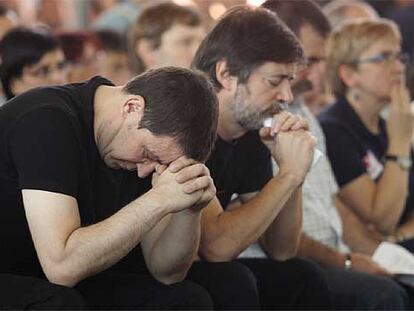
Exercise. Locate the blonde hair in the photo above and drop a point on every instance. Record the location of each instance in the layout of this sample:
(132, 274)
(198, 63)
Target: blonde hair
(337, 11)
(347, 43)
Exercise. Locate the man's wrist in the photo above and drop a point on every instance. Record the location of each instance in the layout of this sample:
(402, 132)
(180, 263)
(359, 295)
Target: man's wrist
(156, 202)
(292, 179)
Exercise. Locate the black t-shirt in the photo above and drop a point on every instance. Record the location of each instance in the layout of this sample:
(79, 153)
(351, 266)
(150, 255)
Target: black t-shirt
(239, 167)
(353, 150)
(47, 143)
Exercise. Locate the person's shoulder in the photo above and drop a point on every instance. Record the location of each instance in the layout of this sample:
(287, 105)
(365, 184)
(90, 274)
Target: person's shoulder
(44, 103)
(53, 97)
(332, 113)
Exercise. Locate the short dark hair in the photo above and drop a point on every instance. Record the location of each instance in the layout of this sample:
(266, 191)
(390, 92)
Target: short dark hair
(153, 21)
(111, 40)
(179, 103)
(22, 47)
(74, 43)
(246, 37)
(298, 13)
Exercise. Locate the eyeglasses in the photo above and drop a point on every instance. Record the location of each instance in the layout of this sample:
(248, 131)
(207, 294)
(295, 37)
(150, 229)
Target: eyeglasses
(385, 57)
(46, 70)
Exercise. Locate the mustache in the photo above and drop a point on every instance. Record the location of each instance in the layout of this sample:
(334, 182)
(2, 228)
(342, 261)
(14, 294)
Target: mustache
(277, 107)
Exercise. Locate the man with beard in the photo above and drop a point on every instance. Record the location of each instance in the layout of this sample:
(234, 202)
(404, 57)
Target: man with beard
(251, 57)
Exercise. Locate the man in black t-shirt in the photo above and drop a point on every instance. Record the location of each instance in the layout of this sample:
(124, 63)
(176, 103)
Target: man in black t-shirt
(251, 57)
(67, 211)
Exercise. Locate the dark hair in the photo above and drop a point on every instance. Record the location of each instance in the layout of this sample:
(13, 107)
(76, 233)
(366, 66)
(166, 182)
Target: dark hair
(298, 13)
(22, 47)
(179, 103)
(153, 21)
(246, 37)
(74, 42)
(111, 40)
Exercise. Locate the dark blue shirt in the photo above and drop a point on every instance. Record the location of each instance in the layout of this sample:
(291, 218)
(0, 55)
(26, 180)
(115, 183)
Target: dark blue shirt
(353, 150)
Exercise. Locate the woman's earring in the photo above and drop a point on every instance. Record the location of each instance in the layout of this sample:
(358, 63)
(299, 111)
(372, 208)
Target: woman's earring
(355, 95)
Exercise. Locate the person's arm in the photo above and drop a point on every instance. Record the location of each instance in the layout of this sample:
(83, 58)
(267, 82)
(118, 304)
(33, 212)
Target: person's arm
(225, 234)
(381, 203)
(281, 239)
(69, 253)
(170, 248)
(357, 235)
(327, 256)
(406, 230)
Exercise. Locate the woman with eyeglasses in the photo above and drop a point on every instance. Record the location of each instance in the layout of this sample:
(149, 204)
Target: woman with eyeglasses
(30, 57)
(371, 157)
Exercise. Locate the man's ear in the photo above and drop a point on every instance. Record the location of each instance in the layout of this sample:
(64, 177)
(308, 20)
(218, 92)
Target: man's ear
(223, 76)
(147, 53)
(133, 109)
(347, 74)
(16, 86)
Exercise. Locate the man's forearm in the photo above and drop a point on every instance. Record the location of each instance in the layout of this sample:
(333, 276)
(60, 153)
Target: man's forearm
(356, 234)
(319, 252)
(231, 232)
(94, 248)
(281, 239)
(175, 250)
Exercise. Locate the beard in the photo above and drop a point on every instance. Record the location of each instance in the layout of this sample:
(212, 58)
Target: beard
(247, 114)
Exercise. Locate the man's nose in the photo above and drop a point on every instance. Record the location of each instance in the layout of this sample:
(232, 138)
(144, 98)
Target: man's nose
(285, 93)
(144, 169)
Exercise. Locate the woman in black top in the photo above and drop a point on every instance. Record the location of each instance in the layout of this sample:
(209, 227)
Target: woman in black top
(371, 157)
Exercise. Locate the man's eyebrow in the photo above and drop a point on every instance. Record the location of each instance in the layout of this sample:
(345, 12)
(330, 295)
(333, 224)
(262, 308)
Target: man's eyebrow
(280, 75)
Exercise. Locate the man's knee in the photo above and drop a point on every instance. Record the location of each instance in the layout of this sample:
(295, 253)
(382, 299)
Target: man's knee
(307, 270)
(236, 272)
(26, 292)
(62, 298)
(188, 295)
(231, 285)
(383, 294)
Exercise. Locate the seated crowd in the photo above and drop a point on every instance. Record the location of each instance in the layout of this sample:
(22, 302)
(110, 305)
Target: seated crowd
(176, 167)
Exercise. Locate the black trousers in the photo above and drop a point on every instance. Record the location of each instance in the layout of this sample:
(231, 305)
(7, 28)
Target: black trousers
(208, 285)
(292, 284)
(29, 293)
(126, 290)
(361, 291)
(232, 286)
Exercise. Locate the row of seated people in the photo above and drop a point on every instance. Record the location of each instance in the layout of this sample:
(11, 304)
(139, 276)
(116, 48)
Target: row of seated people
(102, 241)
(34, 57)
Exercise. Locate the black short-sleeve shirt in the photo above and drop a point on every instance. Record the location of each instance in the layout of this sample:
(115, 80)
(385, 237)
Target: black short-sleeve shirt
(239, 167)
(47, 143)
(353, 150)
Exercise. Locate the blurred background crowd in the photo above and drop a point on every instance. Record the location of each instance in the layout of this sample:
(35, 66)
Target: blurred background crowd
(96, 36)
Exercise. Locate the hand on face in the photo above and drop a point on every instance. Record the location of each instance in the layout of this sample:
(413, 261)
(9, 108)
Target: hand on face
(290, 143)
(400, 120)
(184, 183)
